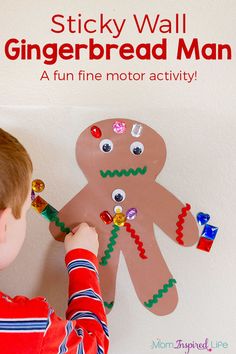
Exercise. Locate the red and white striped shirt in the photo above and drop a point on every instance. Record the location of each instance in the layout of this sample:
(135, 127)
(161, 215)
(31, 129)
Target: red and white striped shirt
(31, 325)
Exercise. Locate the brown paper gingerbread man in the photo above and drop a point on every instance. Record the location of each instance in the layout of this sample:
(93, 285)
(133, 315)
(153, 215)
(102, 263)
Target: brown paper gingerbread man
(121, 159)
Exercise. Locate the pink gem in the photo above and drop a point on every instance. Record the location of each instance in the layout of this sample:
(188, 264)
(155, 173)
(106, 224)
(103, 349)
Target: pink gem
(119, 127)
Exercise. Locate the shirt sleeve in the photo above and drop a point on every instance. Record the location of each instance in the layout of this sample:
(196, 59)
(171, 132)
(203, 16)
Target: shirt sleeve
(85, 329)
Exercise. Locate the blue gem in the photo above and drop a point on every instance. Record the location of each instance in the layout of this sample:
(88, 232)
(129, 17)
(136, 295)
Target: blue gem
(203, 218)
(210, 232)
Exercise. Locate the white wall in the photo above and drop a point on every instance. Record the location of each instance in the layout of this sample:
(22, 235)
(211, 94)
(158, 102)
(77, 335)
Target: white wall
(197, 122)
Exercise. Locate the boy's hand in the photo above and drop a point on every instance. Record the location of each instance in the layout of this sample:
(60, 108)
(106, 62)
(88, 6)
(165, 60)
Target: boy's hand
(82, 236)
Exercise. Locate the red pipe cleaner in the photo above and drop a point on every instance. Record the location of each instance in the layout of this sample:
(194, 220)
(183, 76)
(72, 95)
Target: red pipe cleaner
(137, 240)
(179, 224)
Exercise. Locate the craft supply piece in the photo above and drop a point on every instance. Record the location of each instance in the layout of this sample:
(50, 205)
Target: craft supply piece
(118, 195)
(39, 204)
(118, 209)
(204, 244)
(106, 217)
(106, 145)
(160, 293)
(131, 213)
(49, 213)
(137, 240)
(123, 172)
(38, 185)
(32, 195)
(119, 219)
(96, 132)
(210, 231)
(136, 130)
(137, 148)
(110, 246)
(119, 127)
(108, 305)
(180, 224)
(203, 218)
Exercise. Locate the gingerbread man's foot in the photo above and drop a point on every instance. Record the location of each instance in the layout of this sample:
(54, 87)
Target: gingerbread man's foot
(108, 305)
(165, 300)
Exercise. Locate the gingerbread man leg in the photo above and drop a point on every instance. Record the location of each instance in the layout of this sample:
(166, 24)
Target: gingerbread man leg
(154, 284)
(108, 257)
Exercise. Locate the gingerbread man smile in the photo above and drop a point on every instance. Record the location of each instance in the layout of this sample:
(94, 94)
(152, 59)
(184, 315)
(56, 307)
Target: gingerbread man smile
(126, 173)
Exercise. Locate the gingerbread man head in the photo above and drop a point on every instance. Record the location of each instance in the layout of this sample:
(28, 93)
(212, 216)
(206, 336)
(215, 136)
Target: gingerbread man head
(122, 148)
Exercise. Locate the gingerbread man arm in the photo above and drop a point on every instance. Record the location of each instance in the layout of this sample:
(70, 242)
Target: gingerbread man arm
(173, 217)
(73, 213)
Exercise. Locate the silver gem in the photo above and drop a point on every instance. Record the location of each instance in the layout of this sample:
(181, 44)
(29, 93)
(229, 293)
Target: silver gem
(136, 130)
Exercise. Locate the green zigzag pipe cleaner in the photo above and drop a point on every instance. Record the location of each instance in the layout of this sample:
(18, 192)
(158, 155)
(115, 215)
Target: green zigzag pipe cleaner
(160, 293)
(123, 172)
(60, 224)
(51, 214)
(110, 245)
(108, 305)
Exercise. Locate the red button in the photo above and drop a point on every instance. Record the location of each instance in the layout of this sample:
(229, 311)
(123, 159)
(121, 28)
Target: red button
(106, 217)
(96, 132)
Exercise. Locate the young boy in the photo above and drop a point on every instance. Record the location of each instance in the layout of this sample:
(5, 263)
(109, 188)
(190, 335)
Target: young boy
(31, 325)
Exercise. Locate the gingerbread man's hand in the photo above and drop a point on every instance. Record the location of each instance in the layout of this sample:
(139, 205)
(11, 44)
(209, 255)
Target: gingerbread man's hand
(173, 217)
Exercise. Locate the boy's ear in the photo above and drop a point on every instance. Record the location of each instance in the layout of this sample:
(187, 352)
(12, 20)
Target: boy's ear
(3, 223)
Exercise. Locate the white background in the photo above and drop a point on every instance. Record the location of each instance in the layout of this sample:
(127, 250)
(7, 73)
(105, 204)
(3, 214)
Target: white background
(197, 122)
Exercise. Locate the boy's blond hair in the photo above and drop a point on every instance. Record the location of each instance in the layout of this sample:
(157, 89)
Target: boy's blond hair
(15, 173)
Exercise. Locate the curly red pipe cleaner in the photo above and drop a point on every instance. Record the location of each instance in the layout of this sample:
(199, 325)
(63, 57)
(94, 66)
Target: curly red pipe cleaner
(180, 223)
(137, 240)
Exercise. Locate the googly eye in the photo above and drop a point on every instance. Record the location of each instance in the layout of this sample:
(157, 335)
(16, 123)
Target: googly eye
(137, 148)
(118, 195)
(106, 145)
